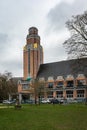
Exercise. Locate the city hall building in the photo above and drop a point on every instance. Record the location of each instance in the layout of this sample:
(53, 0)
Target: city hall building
(62, 80)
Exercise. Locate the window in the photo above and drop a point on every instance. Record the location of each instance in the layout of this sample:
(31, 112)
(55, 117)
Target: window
(50, 85)
(69, 94)
(59, 94)
(70, 83)
(29, 61)
(81, 82)
(60, 84)
(80, 93)
(25, 87)
(19, 81)
(50, 95)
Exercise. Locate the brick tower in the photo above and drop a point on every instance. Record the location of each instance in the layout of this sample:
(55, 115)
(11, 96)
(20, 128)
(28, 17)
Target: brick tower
(32, 54)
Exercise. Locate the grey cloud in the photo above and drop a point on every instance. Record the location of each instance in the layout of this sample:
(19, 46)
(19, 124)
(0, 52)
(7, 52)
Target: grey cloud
(4, 43)
(3, 39)
(13, 66)
(58, 15)
(12, 16)
(4, 47)
(55, 53)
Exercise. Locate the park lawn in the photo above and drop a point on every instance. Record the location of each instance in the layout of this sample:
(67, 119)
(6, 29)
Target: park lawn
(44, 117)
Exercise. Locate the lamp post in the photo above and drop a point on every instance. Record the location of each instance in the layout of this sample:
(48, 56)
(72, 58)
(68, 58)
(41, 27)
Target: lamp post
(39, 95)
(41, 90)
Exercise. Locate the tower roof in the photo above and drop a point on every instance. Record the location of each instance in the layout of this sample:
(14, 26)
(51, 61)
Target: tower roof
(33, 33)
(33, 30)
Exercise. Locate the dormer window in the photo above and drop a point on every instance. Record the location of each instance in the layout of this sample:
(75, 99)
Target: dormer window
(70, 83)
(60, 84)
(81, 82)
(50, 85)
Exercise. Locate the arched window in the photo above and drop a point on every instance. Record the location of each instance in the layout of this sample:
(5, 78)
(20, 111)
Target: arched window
(81, 81)
(70, 81)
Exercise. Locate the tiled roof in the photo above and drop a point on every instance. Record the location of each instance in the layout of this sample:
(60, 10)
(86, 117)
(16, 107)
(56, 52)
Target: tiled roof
(63, 68)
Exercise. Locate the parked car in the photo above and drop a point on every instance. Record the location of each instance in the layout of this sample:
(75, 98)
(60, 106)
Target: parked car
(9, 101)
(55, 101)
(63, 101)
(45, 101)
(72, 101)
(6, 102)
(28, 101)
(81, 100)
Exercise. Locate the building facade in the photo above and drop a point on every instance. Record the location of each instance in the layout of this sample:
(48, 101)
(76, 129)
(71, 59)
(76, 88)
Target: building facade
(65, 79)
(65, 88)
(32, 58)
(62, 80)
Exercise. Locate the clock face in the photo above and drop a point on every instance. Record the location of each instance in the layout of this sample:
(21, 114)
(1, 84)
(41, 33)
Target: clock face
(35, 45)
(24, 48)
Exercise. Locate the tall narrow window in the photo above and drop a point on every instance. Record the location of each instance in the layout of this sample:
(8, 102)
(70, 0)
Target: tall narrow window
(28, 61)
(50, 85)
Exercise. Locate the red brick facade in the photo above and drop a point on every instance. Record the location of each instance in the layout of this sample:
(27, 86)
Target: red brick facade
(32, 54)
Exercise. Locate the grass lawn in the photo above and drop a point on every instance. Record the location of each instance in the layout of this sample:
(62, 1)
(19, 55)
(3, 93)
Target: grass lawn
(44, 117)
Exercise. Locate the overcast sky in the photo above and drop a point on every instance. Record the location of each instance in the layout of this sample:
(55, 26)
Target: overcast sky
(49, 16)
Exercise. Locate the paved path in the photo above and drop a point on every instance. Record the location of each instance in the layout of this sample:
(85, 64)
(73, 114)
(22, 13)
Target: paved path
(6, 106)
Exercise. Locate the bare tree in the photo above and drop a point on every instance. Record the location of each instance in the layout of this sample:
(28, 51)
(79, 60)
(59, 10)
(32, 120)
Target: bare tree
(7, 85)
(38, 90)
(76, 45)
